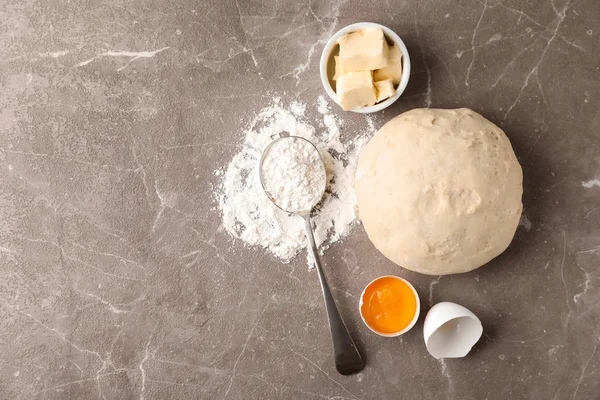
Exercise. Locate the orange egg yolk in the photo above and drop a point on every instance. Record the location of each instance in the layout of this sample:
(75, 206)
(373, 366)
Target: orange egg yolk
(389, 305)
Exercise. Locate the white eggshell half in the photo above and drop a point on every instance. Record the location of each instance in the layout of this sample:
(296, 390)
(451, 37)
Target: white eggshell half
(450, 330)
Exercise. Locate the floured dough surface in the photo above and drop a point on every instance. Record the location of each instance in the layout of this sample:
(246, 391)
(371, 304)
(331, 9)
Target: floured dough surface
(439, 191)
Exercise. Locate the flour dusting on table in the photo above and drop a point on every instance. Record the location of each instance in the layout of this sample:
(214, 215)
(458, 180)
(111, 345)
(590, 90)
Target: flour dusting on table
(247, 212)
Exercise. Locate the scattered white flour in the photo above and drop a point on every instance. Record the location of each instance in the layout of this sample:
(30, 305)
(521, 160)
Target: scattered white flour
(323, 106)
(298, 108)
(293, 175)
(591, 183)
(525, 222)
(247, 212)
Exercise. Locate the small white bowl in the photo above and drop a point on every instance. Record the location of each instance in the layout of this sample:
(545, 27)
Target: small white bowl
(450, 330)
(412, 323)
(390, 35)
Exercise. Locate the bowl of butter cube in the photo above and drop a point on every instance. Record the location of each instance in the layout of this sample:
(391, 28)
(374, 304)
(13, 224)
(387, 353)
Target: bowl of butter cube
(365, 67)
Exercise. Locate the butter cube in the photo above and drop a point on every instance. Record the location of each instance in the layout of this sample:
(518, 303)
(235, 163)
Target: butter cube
(384, 89)
(363, 50)
(355, 90)
(339, 69)
(394, 70)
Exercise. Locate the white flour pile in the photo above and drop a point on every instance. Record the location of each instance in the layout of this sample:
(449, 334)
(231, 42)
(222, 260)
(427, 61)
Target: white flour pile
(293, 175)
(247, 212)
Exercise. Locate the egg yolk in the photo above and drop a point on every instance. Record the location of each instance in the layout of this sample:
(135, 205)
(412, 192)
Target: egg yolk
(389, 305)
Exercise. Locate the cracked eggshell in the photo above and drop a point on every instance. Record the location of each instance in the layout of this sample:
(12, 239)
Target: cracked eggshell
(450, 330)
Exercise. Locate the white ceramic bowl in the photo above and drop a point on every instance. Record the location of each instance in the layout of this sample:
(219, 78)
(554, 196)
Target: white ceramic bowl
(412, 323)
(450, 330)
(328, 53)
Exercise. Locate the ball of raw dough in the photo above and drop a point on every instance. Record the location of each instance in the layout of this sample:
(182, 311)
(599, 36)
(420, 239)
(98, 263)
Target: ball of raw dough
(439, 191)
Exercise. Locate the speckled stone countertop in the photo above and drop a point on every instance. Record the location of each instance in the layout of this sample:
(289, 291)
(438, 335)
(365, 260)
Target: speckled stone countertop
(114, 116)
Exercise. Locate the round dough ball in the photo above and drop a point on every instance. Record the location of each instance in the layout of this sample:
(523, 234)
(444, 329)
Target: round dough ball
(439, 191)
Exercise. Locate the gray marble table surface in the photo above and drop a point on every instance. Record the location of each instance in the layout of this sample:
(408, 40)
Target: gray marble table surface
(114, 115)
